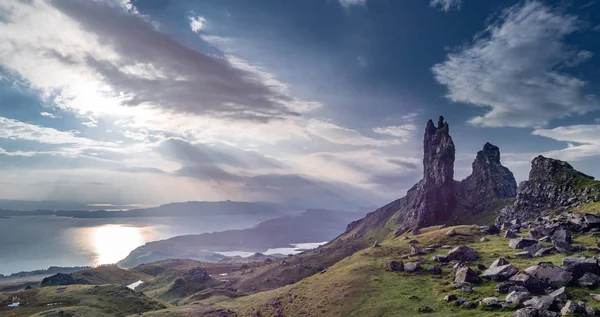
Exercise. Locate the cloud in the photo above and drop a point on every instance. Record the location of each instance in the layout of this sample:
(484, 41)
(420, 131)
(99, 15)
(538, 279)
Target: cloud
(127, 68)
(516, 69)
(446, 5)
(14, 129)
(340, 135)
(48, 114)
(348, 3)
(583, 141)
(403, 132)
(90, 124)
(197, 23)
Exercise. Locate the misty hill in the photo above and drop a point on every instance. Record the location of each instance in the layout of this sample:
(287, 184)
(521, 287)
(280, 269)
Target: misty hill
(313, 225)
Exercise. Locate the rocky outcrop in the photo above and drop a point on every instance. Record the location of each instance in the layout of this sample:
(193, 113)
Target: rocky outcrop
(489, 181)
(62, 279)
(553, 186)
(432, 200)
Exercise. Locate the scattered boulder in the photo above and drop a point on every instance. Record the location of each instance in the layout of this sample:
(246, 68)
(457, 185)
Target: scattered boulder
(412, 267)
(440, 258)
(469, 304)
(450, 298)
(481, 267)
(532, 312)
(545, 302)
(560, 294)
(531, 283)
(524, 254)
(546, 239)
(510, 234)
(395, 266)
(562, 235)
(415, 250)
(434, 270)
(500, 273)
(465, 274)
(490, 302)
(569, 308)
(589, 280)
(451, 233)
(518, 298)
(534, 248)
(579, 266)
(544, 251)
(490, 229)
(551, 274)
(463, 253)
(595, 296)
(499, 262)
(521, 243)
(503, 287)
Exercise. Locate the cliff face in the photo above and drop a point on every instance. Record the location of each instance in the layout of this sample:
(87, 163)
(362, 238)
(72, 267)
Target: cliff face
(489, 181)
(553, 185)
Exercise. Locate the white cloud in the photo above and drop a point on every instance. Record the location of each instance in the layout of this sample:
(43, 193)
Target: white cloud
(404, 132)
(92, 123)
(515, 70)
(197, 23)
(17, 130)
(446, 5)
(48, 114)
(347, 3)
(582, 141)
(340, 135)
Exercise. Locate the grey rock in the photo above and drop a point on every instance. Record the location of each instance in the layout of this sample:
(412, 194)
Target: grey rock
(503, 287)
(570, 308)
(510, 234)
(589, 280)
(544, 251)
(490, 302)
(560, 294)
(434, 270)
(562, 235)
(463, 253)
(440, 258)
(500, 273)
(518, 298)
(546, 239)
(412, 267)
(531, 283)
(551, 274)
(395, 266)
(469, 304)
(451, 233)
(465, 274)
(533, 248)
(532, 312)
(579, 266)
(540, 302)
(415, 250)
(524, 254)
(499, 262)
(521, 243)
(450, 298)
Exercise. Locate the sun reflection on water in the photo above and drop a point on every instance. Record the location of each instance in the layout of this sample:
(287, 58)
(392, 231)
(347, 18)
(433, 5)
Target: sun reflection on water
(114, 242)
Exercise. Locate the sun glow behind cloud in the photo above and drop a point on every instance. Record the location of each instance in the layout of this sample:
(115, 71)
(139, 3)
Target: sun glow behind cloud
(113, 243)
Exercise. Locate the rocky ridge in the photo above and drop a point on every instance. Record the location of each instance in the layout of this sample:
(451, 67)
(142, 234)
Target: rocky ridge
(553, 186)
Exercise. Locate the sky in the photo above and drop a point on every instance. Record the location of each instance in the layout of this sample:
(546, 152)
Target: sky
(314, 102)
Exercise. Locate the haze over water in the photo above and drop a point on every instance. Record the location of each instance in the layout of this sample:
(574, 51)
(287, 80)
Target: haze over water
(37, 242)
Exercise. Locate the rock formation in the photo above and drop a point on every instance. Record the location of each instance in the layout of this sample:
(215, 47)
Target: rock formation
(432, 199)
(553, 186)
(437, 197)
(489, 181)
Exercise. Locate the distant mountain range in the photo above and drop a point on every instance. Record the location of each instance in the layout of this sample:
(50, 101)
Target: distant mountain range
(313, 225)
(183, 209)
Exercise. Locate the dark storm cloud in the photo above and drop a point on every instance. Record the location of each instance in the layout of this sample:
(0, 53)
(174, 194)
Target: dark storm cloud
(189, 81)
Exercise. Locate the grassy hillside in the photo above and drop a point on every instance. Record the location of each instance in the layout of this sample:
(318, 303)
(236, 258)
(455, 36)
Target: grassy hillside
(111, 274)
(78, 300)
(360, 286)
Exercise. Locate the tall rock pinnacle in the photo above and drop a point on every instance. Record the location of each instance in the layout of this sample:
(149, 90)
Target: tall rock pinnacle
(432, 200)
(489, 181)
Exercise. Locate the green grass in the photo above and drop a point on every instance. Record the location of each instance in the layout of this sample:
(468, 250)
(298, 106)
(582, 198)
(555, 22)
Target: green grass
(360, 286)
(591, 208)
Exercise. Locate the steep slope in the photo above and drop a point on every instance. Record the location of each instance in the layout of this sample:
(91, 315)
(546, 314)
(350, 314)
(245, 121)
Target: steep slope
(553, 186)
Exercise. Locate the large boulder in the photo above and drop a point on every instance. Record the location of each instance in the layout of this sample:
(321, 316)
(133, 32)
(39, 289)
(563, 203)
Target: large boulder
(579, 266)
(544, 302)
(589, 280)
(412, 267)
(463, 253)
(562, 235)
(531, 283)
(551, 274)
(499, 262)
(518, 298)
(466, 275)
(500, 273)
(521, 243)
(532, 312)
(395, 266)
